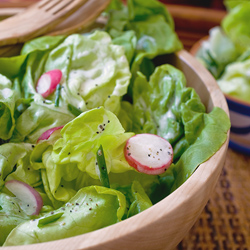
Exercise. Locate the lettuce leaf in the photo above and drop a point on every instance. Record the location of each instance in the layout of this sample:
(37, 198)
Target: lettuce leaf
(38, 118)
(8, 99)
(158, 103)
(236, 25)
(235, 81)
(11, 215)
(212, 135)
(89, 81)
(230, 4)
(69, 163)
(165, 106)
(139, 200)
(90, 209)
(96, 71)
(151, 33)
(14, 164)
(216, 52)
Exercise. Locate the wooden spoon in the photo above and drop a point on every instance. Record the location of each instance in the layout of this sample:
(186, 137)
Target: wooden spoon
(36, 20)
(82, 19)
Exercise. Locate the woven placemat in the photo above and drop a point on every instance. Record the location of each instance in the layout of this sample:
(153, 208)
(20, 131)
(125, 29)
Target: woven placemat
(225, 221)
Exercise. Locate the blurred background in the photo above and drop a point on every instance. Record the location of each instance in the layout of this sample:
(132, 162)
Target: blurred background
(193, 18)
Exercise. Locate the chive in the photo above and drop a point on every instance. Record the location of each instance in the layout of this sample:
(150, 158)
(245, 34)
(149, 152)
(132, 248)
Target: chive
(49, 219)
(102, 167)
(58, 93)
(74, 110)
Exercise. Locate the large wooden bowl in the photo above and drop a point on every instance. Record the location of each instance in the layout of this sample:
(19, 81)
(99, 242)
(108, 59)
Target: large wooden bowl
(165, 224)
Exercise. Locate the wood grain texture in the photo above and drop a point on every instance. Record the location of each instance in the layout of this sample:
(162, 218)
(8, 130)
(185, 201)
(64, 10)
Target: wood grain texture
(165, 224)
(225, 221)
(36, 20)
(191, 23)
(83, 18)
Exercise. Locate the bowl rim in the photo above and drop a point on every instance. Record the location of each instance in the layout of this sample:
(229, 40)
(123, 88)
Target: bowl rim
(237, 100)
(206, 172)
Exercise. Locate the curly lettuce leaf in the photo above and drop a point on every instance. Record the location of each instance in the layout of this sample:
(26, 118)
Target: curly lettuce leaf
(96, 72)
(212, 135)
(90, 209)
(158, 103)
(153, 31)
(165, 106)
(70, 163)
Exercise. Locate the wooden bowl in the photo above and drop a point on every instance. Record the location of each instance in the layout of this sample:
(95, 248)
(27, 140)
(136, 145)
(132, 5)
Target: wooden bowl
(166, 223)
(239, 112)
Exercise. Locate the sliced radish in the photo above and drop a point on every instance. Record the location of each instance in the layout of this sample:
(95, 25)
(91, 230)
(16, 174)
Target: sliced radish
(148, 153)
(29, 199)
(48, 81)
(46, 135)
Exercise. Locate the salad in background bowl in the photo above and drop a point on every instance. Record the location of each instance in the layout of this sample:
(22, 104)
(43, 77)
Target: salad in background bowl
(225, 53)
(79, 115)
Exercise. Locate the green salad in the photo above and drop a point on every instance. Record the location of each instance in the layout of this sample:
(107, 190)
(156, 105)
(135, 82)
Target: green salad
(226, 53)
(78, 112)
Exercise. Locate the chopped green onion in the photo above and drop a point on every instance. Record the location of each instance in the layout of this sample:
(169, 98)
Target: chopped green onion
(58, 93)
(49, 219)
(74, 110)
(102, 167)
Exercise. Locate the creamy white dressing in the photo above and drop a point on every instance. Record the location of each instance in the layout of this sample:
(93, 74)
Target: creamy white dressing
(6, 93)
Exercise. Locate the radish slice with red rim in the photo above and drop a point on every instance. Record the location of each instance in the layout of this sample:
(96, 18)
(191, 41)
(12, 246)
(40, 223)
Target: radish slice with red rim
(28, 198)
(148, 153)
(46, 135)
(48, 82)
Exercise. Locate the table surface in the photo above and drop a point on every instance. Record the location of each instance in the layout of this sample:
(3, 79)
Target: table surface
(225, 221)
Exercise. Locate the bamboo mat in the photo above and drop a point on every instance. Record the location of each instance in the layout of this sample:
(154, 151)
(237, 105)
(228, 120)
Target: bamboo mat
(225, 221)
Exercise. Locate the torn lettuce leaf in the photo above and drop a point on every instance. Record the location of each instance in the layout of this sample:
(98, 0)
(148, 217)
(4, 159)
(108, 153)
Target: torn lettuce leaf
(90, 209)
